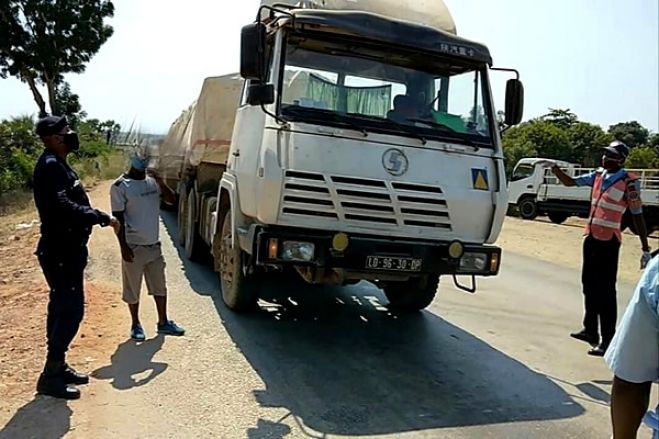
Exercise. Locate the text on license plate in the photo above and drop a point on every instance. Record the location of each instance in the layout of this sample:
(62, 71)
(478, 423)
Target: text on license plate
(394, 264)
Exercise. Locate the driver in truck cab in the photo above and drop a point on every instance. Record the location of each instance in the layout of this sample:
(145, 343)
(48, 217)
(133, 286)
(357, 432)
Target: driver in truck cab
(403, 109)
(614, 191)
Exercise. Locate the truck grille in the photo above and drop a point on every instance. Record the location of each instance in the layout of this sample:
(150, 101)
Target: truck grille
(362, 201)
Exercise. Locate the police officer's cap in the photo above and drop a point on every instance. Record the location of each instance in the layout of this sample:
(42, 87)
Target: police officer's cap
(50, 125)
(618, 148)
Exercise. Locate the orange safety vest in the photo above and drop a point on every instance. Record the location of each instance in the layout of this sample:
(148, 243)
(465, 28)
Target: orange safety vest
(607, 208)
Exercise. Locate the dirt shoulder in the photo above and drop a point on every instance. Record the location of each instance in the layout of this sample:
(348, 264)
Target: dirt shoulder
(24, 298)
(561, 244)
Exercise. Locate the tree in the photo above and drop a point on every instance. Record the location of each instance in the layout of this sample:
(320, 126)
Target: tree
(653, 141)
(642, 157)
(41, 40)
(632, 133)
(563, 119)
(67, 104)
(536, 138)
(587, 142)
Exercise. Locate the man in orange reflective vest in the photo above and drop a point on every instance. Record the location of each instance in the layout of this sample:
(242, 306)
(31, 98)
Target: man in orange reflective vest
(614, 191)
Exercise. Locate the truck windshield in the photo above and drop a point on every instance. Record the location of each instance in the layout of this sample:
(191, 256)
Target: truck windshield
(523, 170)
(434, 98)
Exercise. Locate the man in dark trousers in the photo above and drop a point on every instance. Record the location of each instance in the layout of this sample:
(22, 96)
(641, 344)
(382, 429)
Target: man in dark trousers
(614, 191)
(66, 223)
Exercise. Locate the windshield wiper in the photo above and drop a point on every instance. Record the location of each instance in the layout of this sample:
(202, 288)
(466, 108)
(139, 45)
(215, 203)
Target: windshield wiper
(409, 129)
(458, 136)
(433, 124)
(317, 114)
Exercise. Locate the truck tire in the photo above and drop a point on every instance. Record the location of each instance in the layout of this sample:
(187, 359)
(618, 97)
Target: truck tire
(193, 245)
(528, 209)
(181, 217)
(239, 290)
(557, 217)
(412, 295)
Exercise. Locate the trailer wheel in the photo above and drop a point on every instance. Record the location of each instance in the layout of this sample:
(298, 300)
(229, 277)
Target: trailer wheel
(193, 244)
(181, 217)
(239, 290)
(557, 217)
(412, 295)
(528, 209)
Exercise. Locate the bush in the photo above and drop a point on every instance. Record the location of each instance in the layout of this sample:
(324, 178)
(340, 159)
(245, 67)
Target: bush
(642, 158)
(20, 149)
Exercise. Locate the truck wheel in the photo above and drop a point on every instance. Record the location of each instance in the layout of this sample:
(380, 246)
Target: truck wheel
(528, 209)
(182, 213)
(557, 217)
(412, 295)
(239, 290)
(193, 245)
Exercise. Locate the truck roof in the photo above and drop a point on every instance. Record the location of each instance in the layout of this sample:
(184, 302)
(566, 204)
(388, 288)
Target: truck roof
(390, 32)
(431, 13)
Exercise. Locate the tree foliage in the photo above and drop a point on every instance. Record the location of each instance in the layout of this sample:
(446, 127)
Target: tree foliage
(632, 133)
(20, 148)
(560, 135)
(563, 119)
(643, 157)
(41, 40)
(67, 104)
(535, 138)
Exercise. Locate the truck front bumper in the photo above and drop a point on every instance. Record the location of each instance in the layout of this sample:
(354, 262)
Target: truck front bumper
(275, 246)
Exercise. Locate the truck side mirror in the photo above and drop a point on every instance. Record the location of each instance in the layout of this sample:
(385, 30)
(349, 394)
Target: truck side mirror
(260, 94)
(252, 51)
(514, 102)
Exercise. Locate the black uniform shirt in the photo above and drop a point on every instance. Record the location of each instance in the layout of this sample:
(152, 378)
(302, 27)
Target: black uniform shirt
(66, 215)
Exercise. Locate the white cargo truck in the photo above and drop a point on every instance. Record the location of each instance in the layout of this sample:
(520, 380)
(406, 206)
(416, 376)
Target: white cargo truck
(363, 144)
(534, 191)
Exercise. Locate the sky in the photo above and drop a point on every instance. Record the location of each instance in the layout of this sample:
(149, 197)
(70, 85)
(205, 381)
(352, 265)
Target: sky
(599, 58)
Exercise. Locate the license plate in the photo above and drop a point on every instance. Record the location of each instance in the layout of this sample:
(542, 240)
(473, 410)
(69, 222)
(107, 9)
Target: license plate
(393, 264)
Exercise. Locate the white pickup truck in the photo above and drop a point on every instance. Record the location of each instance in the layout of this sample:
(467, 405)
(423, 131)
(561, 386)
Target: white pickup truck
(534, 190)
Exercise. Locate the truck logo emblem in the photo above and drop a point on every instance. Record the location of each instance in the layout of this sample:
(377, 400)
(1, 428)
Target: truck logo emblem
(395, 161)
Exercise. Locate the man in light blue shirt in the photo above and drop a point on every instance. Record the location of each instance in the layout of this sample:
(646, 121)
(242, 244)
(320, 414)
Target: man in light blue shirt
(633, 355)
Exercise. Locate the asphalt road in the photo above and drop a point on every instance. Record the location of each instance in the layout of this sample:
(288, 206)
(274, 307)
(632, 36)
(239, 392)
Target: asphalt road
(334, 362)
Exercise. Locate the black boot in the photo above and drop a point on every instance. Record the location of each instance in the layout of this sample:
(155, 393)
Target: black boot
(72, 377)
(583, 335)
(52, 383)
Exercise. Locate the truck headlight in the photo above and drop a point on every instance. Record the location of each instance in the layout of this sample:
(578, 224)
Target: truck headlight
(474, 262)
(297, 251)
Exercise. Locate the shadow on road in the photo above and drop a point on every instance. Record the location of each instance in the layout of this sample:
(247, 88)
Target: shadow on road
(43, 417)
(131, 360)
(268, 430)
(343, 364)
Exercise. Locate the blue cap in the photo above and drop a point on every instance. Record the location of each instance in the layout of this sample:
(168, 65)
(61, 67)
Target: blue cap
(139, 163)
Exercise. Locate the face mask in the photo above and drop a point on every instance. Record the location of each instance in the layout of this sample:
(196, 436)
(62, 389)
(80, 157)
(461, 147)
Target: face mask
(71, 141)
(611, 163)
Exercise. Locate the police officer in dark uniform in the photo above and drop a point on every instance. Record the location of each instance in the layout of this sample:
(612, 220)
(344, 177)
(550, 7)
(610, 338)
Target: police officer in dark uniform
(66, 223)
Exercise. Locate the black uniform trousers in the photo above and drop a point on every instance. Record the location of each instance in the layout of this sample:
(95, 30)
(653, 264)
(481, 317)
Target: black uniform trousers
(599, 276)
(63, 269)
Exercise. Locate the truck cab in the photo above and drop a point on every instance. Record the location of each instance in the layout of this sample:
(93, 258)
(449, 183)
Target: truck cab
(527, 182)
(364, 148)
